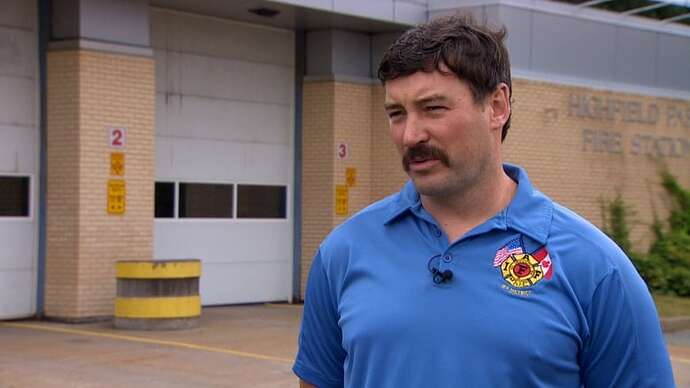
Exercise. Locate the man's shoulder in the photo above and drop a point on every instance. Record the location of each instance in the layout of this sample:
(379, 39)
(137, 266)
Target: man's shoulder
(582, 243)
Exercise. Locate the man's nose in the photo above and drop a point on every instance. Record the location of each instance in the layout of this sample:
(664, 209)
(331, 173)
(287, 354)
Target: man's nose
(415, 132)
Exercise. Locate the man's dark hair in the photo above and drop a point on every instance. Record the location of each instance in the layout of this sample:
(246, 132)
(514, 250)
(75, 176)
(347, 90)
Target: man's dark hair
(473, 52)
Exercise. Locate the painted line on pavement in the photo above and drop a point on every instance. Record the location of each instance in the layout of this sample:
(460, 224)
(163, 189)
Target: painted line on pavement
(176, 344)
(289, 305)
(179, 344)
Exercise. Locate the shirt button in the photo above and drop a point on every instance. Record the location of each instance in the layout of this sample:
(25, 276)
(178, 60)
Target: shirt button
(437, 231)
(448, 258)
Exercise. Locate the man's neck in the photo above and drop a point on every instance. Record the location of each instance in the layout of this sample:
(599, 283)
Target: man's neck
(459, 213)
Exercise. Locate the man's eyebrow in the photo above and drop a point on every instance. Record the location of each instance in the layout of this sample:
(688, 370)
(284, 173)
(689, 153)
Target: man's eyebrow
(431, 99)
(391, 105)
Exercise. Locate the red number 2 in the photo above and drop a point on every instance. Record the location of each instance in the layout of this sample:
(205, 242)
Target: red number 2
(117, 138)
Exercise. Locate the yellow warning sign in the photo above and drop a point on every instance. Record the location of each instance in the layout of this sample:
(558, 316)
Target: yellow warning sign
(350, 176)
(117, 164)
(116, 196)
(342, 200)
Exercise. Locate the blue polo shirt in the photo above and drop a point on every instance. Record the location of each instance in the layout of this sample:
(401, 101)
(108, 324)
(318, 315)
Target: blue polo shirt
(538, 298)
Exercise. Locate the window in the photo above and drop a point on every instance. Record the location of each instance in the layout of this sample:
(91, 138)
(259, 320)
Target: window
(205, 200)
(258, 201)
(165, 200)
(14, 196)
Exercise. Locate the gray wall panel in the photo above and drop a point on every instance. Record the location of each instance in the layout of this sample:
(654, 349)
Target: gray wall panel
(379, 44)
(18, 13)
(18, 49)
(519, 40)
(635, 56)
(576, 47)
(231, 40)
(673, 66)
(319, 52)
(375, 9)
(351, 53)
(118, 21)
(410, 13)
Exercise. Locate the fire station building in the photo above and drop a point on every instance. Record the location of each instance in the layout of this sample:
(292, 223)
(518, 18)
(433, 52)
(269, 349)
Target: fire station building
(241, 132)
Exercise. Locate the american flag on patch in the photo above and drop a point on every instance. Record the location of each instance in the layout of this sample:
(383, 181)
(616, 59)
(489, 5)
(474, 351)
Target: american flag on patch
(514, 246)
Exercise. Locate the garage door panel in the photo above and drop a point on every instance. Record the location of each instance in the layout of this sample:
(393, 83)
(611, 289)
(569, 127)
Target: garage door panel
(225, 115)
(228, 120)
(164, 157)
(265, 163)
(17, 294)
(18, 244)
(225, 39)
(235, 283)
(229, 79)
(161, 114)
(18, 149)
(224, 241)
(18, 50)
(18, 101)
(161, 64)
(207, 160)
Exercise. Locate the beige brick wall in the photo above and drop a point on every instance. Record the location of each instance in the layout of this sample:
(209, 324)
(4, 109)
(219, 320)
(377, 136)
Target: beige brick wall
(545, 138)
(333, 113)
(318, 150)
(89, 92)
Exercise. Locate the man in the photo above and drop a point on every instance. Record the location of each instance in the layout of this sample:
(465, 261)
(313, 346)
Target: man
(469, 277)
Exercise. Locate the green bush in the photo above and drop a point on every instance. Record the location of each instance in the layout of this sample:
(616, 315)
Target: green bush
(666, 267)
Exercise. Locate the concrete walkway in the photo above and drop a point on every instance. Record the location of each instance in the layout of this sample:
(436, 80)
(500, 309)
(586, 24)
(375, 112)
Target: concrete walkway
(238, 346)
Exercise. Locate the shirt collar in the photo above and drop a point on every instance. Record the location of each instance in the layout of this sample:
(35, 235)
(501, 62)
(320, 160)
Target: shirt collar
(529, 212)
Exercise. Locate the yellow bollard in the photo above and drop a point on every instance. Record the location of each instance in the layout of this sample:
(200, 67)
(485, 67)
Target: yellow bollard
(158, 295)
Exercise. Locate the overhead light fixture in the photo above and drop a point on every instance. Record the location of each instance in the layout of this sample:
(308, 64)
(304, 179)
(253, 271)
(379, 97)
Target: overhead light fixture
(264, 12)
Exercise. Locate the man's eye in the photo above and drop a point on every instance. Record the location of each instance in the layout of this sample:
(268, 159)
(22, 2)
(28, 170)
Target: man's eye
(394, 114)
(434, 108)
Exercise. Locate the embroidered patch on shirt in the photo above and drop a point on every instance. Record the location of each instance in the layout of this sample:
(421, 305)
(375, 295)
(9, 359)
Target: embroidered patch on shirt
(523, 270)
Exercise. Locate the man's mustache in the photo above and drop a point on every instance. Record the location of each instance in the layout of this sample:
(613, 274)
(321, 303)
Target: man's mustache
(424, 151)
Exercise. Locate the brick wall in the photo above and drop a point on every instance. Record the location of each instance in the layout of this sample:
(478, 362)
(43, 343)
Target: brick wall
(88, 92)
(547, 139)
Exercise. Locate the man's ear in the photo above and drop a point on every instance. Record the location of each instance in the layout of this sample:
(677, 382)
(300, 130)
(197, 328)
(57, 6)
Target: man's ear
(499, 102)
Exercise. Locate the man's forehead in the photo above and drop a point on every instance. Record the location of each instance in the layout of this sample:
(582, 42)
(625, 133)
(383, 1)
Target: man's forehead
(421, 86)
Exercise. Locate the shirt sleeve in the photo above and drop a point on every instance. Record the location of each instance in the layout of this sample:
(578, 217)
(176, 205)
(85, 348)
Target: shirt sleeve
(320, 357)
(625, 347)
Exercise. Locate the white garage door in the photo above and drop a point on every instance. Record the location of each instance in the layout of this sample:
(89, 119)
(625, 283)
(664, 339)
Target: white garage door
(19, 144)
(224, 153)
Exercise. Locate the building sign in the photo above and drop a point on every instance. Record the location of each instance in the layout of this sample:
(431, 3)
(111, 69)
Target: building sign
(117, 164)
(116, 196)
(610, 110)
(342, 151)
(342, 200)
(350, 176)
(116, 137)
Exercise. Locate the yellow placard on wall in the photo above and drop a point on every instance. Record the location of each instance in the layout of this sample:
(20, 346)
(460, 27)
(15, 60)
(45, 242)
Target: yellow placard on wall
(117, 164)
(116, 196)
(342, 200)
(350, 176)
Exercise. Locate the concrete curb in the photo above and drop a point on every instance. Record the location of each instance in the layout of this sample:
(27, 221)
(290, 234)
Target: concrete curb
(669, 325)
